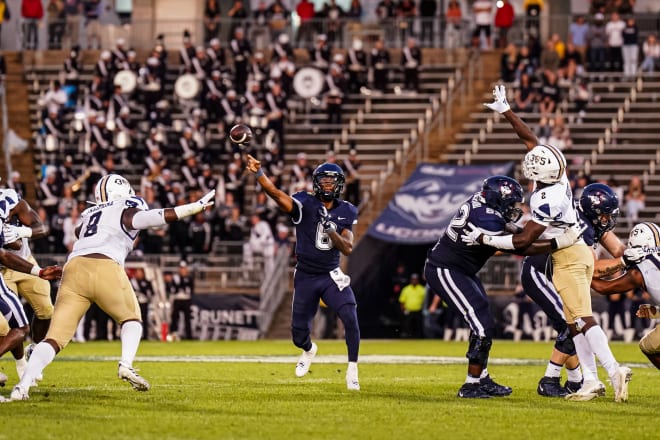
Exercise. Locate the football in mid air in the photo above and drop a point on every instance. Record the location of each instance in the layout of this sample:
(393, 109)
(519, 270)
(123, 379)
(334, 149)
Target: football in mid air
(240, 134)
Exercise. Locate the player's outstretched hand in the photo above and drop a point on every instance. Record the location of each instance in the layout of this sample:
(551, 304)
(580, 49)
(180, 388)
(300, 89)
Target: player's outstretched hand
(648, 311)
(568, 238)
(499, 104)
(14, 233)
(472, 235)
(208, 200)
(634, 255)
(253, 165)
(51, 273)
(195, 207)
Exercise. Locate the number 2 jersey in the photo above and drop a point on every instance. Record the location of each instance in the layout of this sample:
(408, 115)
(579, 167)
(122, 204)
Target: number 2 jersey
(451, 252)
(101, 230)
(553, 207)
(314, 249)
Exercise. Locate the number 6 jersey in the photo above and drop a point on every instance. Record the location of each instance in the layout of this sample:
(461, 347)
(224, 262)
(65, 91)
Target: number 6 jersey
(101, 231)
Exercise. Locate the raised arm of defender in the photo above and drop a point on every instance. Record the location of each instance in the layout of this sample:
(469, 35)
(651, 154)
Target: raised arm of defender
(501, 106)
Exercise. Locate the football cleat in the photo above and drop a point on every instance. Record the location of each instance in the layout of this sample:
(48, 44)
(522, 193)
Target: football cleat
(572, 387)
(620, 381)
(352, 382)
(550, 387)
(494, 389)
(305, 361)
(18, 393)
(131, 376)
(472, 391)
(590, 390)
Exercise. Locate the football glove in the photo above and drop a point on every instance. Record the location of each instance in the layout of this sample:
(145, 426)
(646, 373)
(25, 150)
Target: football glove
(14, 233)
(195, 207)
(634, 255)
(500, 104)
(328, 225)
(472, 235)
(568, 238)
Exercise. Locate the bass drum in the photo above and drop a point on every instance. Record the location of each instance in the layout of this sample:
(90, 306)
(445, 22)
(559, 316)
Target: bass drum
(186, 86)
(127, 80)
(308, 82)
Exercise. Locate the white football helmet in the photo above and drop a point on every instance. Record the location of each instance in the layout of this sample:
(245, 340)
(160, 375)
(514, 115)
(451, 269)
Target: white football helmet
(112, 187)
(645, 234)
(544, 163)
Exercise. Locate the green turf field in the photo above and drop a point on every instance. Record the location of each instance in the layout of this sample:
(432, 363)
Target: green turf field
(248, 390)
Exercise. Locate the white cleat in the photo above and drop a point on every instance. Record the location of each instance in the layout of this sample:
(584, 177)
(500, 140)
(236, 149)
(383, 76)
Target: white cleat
(619, 382)
(305, 361)
(18, 393)
(131, 376)
(589, 391)
(352, 382)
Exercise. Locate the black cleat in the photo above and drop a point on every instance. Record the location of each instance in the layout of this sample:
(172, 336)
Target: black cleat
(493, 388)
(550, 387)
(572, 387)
(472, 391)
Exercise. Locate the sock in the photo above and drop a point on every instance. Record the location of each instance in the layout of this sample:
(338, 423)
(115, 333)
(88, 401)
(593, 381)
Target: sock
(42, 355)
(552, 370)
(574, 375)
(600, 346)
(352, 369)
(484, 373)
(586, 358)
(131, 333)
(21, 364)
(472, 379)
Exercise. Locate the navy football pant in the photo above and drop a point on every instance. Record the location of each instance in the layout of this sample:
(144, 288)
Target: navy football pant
(465, 295)
(541, 290)
(308, 289)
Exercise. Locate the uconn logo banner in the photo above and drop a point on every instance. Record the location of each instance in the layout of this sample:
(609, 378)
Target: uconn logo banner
(423, 206)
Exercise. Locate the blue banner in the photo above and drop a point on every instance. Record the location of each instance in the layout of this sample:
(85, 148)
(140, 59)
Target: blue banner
(421, 209)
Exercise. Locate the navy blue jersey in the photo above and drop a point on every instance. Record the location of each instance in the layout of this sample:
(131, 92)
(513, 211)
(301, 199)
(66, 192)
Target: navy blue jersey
(314, 249)
(451, 252)
(590, 236)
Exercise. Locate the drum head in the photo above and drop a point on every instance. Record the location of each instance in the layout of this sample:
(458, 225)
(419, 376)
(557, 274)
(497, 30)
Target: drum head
(308, 82)
(127, 80)
(186, 86)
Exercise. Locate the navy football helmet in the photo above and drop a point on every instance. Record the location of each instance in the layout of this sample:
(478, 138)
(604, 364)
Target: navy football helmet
(324, 171)
(502, 193)
(600, 206)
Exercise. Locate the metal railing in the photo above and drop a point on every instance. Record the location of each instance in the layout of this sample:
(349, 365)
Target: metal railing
(5, 130)
(273, 289)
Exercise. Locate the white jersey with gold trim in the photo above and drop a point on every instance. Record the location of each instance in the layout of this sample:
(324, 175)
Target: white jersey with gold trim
(650, 270)
(101, 231)
(553, 207)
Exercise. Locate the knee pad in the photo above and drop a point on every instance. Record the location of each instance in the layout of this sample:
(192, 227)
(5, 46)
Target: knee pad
(478, 350)
(301, 337)
(564, 343)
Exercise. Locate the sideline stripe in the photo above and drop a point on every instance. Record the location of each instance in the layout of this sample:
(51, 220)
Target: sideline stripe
(327, 359)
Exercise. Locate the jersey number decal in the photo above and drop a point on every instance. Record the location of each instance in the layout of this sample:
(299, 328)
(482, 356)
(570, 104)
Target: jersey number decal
(458, 222)
(92, 225)
(322, 241)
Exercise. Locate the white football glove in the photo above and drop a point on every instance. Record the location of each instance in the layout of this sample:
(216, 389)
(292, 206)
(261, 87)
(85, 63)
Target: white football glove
(328, 226)
(571, 236)
(472, 234)
(634, 255)
(195, 207)
(500, 104)
(13, 233)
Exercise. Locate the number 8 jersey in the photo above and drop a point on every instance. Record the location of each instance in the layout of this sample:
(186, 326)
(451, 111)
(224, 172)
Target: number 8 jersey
(101, 230)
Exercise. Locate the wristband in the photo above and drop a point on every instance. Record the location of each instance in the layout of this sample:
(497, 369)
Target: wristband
(36, 271)
(24, 232)
(499, 241)
(260, 172)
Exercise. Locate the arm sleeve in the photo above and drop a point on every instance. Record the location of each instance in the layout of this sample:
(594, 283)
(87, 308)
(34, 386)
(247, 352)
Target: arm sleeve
(149, 219)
